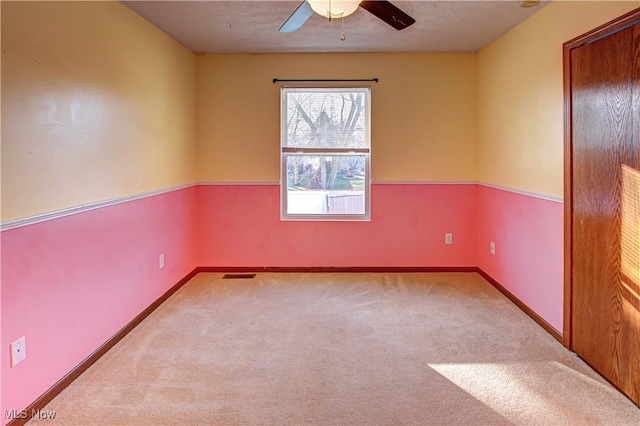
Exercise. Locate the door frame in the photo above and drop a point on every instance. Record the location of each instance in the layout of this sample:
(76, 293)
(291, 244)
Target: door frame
(602, 31)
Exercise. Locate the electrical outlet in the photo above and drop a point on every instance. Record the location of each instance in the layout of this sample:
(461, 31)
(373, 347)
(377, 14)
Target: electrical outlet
(448, 238)
(18, 351)
(493, 247)
(161, 261)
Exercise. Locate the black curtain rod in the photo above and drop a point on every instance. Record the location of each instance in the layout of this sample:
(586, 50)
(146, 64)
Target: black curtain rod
(277, 80)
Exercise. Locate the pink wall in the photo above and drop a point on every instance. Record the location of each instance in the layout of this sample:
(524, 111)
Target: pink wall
(71, 283)
(239, 225)
(528, 232)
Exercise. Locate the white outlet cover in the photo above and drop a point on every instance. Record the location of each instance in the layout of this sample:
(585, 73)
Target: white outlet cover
(18, 351)
(161, 261)
(493, 247)
(448, 238)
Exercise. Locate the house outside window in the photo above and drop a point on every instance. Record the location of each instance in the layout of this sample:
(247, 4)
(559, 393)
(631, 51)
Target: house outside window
(325, 153)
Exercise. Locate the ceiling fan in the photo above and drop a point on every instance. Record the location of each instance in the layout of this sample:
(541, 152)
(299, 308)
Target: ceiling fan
(340, 8)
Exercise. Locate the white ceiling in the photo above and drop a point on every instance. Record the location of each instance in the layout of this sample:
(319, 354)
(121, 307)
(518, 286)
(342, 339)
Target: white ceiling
(252, 26)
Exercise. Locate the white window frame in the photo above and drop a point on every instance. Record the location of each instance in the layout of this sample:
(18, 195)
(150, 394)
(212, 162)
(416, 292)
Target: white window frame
(288, 151)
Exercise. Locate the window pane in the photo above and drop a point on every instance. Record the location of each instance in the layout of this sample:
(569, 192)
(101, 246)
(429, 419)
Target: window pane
(326, 118)
(325, 140)
(326, 184)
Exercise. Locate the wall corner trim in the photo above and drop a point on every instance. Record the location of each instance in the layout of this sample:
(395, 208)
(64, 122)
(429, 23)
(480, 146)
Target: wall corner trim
(32, 220)
(247, 183)
(423, 182)
(524, 308)
(522, 192)
(336, 269)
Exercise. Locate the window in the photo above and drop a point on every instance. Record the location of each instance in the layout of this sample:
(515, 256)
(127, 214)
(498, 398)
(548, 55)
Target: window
(325, 158)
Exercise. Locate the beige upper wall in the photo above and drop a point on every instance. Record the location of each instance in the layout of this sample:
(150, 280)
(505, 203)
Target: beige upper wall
(520, 96)
(96, 104)
(423, 113)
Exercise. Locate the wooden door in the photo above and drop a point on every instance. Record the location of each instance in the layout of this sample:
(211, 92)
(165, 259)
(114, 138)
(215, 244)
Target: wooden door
(604, 185)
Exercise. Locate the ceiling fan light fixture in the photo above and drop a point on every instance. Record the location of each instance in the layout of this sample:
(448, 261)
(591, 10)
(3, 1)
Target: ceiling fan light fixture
(334, 8)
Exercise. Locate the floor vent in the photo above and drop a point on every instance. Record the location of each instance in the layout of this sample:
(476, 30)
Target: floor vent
(238, 276)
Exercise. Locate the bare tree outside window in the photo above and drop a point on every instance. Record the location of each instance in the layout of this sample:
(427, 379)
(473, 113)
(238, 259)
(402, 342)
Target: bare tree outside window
(325, 144)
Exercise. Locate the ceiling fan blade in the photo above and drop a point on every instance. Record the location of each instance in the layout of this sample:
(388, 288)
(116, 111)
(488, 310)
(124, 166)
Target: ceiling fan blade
(388, 13)
(297, 18)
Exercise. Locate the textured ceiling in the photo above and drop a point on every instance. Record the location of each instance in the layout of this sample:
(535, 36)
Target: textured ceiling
(252, 26)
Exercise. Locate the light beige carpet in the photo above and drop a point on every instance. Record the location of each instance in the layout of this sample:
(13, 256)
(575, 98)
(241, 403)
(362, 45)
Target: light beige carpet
(340, 349)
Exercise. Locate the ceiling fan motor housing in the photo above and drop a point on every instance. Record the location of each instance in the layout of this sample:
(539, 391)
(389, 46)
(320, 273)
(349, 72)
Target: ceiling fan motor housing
(334, 8)
(381, 9)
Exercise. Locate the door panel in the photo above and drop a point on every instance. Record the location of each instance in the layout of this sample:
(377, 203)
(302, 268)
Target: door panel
(605, 105)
